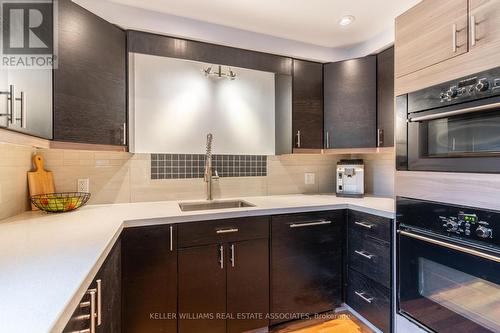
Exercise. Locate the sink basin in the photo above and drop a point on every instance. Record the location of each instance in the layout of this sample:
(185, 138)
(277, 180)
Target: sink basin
(216, 204)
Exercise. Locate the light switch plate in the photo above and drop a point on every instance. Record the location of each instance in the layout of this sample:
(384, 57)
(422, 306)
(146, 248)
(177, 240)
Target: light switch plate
(309, 178)
(83, 185)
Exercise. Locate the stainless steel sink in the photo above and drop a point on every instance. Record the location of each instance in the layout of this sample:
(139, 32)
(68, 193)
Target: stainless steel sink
(215, 204)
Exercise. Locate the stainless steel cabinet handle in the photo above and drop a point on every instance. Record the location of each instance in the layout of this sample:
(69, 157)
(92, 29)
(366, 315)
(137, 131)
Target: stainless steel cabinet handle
(473, 39)
(99, 301)
(298, 139)
(11, 107)
(380, 137)
(124, 139)
(454, 38)
(309, 224)
(364, 254)
(92, 311)
(364, 225)
(221, 256)
(24, 111)
(327, 145)
(361, 294)
(451, 246)
(232, 256)
(227, 231)
(456, 113)
(171, 238)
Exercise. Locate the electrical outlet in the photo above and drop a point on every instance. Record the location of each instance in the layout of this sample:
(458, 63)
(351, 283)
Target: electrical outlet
(83, 185)
(309, 178)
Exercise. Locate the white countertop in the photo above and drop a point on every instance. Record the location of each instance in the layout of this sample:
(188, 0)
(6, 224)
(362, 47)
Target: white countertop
(48, 261)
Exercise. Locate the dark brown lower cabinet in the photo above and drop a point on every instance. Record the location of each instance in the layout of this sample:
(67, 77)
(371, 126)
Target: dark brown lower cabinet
(368, 287)
(202, 289)
(370, 299)
(104, 289)
(224, 287)
(248, 285)
(149, 279)
(306, 264)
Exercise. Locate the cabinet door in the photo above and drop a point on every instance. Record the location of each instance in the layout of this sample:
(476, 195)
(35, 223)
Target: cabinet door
(351, 103)
(110, 278)
(202, 289)
(307, 104)
(248, 285)
(149, 279)
(306, 263)
(90, 81)
(108, 318)
(429, 33)
(385, 98)
(484, 23)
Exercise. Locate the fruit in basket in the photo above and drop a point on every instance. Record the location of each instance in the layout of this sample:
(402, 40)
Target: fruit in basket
(70, 204)
(60, 202)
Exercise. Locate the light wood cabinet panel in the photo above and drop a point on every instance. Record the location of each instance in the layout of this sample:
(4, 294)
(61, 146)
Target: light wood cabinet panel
(484, 23)
(429, 33)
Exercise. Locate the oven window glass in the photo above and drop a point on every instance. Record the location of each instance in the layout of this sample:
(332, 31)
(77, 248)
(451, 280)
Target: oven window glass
(474, 134)
(476, 299)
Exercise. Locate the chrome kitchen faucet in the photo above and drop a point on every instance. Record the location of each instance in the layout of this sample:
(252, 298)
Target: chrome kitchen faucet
(209, 177)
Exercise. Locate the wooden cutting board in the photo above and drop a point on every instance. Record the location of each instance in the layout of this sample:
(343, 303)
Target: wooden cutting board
(40, 181)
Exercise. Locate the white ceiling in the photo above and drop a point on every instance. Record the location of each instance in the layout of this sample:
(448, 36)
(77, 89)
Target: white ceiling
(310, 21)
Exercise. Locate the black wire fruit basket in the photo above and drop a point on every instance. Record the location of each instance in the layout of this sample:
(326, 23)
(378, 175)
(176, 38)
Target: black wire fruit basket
(60, 202)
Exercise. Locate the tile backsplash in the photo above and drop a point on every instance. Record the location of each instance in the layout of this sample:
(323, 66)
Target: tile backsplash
(182, 166)
(120, 177)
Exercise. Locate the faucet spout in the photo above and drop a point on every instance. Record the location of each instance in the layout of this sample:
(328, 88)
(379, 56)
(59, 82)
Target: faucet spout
(208, 175)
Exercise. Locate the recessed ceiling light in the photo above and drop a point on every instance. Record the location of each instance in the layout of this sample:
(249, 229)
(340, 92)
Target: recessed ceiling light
(346, 20)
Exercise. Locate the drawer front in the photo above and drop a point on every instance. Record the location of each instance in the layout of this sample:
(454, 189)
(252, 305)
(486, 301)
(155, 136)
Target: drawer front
(370, 256)
(222, 231)
(370, 300)
(284, 225)
(370, 225)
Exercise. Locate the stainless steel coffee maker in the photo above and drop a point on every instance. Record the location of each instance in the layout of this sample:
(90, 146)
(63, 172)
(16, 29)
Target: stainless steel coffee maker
(350, 178)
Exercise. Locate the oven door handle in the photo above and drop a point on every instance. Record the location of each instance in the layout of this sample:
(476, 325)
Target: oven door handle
(450, 246)
(455, 113)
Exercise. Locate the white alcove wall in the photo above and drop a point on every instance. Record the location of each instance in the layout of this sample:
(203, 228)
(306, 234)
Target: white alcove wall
(173, 106)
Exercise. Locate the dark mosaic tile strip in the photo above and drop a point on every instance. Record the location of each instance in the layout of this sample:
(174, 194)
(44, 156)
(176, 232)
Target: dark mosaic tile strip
(180, 166)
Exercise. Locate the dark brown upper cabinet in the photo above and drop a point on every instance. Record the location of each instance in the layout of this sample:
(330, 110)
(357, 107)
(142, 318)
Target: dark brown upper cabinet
(90, 81)
(385, 98)
(350, 111)
(307, 105)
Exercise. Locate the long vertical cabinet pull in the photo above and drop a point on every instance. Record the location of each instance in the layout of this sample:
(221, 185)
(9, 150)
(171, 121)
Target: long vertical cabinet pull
(327, 143)
(171, 238)
(11, 105)
(233, 262)
(124, 138)
(454, 38)
(24, 111)
(298, 139)
(99, 301)
(221, 256)
(473, 24)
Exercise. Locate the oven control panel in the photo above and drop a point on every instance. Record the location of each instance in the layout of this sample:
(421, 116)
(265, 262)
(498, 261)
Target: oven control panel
(467, 224)
(466, 89)
(469, 87)
(471, 224)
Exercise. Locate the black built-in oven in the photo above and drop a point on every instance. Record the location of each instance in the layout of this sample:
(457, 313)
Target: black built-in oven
(454, 126)
(448, 267)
